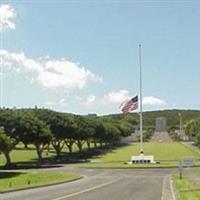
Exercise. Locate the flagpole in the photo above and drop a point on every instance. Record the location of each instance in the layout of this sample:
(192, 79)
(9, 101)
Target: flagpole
(144, 159)
(141, 123)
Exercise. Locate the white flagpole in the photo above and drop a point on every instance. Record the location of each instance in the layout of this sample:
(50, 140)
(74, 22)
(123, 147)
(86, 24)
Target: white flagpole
(141, 123)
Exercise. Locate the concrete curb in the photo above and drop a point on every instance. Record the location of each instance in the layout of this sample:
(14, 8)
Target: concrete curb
(172, 189)
(40, 186)
(172, 167)
(168, 190)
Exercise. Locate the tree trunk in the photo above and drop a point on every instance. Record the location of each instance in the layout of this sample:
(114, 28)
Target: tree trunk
(88, 144)
(95, 144)
(57, 147)
(25, 146)
(39, 153)
(69, 146)
(58, 151)
(79, 145)
(8, 160)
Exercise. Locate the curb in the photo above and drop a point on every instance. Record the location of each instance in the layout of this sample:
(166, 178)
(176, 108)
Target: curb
(40, 186)
(168, 190)
(172, 167)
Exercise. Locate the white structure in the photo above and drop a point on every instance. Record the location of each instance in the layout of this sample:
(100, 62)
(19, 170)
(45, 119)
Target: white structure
(141, 158)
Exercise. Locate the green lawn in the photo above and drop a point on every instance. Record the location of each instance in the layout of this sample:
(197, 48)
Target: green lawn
(24, 155)
(29, 155)
(185, 189)
(168, 154)
(19, 180)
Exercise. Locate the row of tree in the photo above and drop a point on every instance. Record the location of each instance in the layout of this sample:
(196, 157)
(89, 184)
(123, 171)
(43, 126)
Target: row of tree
(192, 130)
(42, 128)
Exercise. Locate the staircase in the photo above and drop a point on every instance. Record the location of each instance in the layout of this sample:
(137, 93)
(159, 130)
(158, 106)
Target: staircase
(161, 137)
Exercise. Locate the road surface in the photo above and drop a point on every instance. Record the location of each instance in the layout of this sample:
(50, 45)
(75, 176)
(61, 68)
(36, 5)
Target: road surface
(123, 184)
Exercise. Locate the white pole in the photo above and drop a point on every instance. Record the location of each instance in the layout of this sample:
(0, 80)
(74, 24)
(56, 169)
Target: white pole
(141, 124)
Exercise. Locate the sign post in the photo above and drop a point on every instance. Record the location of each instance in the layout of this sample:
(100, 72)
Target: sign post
(185, 162)
(180, 169)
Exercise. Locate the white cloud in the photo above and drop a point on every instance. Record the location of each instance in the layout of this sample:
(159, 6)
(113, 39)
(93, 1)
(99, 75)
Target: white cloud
(116, 97)
(87, 101)
(112, 98)
(7, 15)
(65, 74)
(50, 73)
(153, 101)
(62, 102)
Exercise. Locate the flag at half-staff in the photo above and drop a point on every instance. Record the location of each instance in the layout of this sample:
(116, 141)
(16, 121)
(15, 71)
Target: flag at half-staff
(130, 105)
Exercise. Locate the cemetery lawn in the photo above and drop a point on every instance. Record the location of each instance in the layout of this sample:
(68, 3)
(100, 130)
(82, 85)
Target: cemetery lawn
(29, 156)
(185, 189)
(167, 153)
(10, 181)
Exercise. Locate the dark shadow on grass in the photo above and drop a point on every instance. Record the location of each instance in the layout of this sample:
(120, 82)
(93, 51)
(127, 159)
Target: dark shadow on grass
(4, 175)
(86, 155)
(66, 158)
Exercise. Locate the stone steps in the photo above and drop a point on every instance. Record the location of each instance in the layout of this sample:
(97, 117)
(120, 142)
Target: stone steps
(161, 137)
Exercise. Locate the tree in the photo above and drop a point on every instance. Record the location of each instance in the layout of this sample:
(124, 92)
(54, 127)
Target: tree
(147, 134)
(126, 128)
(34, 131)
(129, 118)
(80, 135)
(198, 139)
(62, 128)
(90, 129)
(192, 128)
(97, 134)
(112, 133)
(9, 120)
(70, 131)
(7, 144)
(57, 125)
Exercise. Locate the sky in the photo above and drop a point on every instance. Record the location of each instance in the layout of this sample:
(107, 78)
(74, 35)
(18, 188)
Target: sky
(82, 56)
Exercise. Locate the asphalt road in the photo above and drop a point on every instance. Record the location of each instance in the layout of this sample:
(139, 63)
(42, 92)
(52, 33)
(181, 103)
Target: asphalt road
(123, 184)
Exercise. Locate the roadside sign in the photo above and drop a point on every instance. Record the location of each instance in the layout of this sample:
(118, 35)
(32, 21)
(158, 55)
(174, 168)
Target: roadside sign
(185, 162)
(188, 161)
(180, 167)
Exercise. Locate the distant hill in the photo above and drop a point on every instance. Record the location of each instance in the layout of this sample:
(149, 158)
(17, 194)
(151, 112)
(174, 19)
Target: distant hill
(172, 116)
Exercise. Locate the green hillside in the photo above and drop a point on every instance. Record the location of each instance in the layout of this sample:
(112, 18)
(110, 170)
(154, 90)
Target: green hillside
(172, 117)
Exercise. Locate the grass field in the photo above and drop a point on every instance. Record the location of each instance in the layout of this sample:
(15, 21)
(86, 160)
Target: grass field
(168, 154)
(18, 180)
(185, 189)
(29, 155)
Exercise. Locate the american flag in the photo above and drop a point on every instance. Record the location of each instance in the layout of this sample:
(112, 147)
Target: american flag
(130, 105)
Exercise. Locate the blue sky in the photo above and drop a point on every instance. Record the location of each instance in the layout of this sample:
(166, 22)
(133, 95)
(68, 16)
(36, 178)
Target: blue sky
(82, 56)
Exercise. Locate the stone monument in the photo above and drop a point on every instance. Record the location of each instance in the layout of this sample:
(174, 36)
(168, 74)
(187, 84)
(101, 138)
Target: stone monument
(161, 124)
